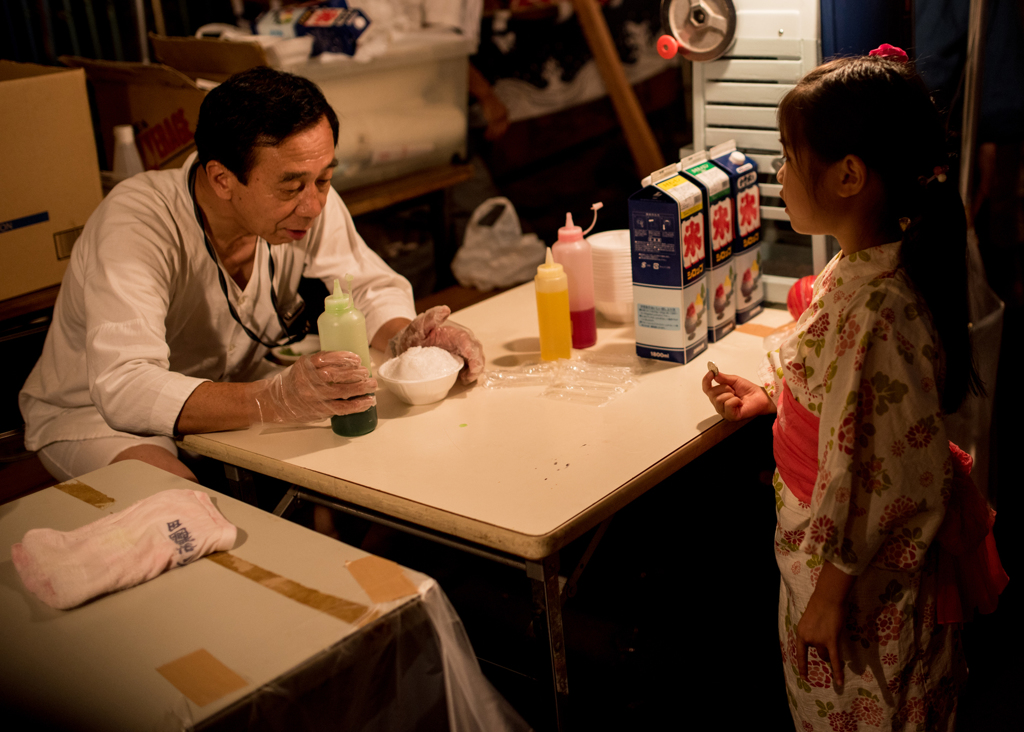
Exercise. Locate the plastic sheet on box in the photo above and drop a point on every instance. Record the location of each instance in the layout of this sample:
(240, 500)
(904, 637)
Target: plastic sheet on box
(413, 668)
(473, 703)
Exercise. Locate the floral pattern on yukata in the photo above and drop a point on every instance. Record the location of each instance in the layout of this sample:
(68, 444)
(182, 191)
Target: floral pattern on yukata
(863, 359)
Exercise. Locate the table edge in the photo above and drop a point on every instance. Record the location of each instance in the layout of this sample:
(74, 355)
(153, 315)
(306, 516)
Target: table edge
(527, 546)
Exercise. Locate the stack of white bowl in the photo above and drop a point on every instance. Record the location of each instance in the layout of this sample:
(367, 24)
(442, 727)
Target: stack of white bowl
(613, 275)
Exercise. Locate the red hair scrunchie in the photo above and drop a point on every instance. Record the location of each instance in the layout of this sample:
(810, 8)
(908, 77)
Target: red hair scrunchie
(893, 53)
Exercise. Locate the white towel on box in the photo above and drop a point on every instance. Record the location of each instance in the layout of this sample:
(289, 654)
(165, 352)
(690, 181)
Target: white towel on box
(166, 530)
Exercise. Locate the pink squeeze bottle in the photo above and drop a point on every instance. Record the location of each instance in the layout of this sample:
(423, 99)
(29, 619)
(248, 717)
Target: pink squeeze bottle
(572, 251)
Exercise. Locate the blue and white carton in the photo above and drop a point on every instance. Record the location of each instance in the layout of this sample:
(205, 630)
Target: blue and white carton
(746, 254)
(719, 236)
(666, 238)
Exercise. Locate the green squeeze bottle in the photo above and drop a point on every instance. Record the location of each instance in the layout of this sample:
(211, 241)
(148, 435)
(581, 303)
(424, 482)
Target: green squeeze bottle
(343, 328)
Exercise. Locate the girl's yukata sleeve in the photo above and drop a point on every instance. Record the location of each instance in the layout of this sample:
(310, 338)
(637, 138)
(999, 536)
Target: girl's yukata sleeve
(884, 466)
(770, 370)
(769, 375)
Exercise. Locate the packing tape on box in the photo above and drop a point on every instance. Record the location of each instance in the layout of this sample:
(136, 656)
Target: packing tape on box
(83, 492)
(346, 610)
(201, 677)
(383, 580)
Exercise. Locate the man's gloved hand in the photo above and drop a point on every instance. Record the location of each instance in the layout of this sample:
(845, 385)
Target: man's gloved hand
(430, 329)
(315, 387)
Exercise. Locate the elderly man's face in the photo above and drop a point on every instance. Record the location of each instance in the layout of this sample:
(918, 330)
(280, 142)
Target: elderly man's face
(288, 185)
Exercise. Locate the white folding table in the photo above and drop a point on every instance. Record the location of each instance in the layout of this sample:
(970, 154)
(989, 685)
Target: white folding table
(508, 473)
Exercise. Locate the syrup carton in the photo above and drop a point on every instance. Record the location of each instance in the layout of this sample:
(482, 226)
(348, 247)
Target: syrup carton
(746, 253)
(718, 241)
(666, 239)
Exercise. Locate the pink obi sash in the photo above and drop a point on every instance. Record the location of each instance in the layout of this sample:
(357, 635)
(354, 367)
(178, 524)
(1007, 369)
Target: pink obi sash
(970, 574)
(796, 445)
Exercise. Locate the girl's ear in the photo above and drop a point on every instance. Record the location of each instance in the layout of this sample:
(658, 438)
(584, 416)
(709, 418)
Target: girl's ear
(850, 176)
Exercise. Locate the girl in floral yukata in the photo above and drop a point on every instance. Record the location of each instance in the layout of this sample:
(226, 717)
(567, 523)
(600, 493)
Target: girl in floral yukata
(865, 471)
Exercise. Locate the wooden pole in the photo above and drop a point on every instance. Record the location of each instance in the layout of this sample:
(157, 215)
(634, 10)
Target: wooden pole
(976, 27)
(646, 154)
(158, 18)
(140, 27)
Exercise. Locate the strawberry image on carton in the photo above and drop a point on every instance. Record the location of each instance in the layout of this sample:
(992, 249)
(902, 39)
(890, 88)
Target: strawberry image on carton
(719, 240)
(668, 250)
(746, 256)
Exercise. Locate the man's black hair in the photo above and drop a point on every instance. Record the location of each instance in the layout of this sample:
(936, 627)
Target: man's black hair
(259, 107)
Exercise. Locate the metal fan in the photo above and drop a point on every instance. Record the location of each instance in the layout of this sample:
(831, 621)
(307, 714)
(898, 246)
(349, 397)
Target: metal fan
(702, 30)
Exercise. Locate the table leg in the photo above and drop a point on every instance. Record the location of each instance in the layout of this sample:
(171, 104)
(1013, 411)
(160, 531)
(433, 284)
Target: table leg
(569, 589)
(544, 578)
(287, 503)
(241, 484)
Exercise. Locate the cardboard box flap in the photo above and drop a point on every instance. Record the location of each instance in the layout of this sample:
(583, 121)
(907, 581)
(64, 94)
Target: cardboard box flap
(208, 58)
(12, 70)
(159, 102)
(125, 72)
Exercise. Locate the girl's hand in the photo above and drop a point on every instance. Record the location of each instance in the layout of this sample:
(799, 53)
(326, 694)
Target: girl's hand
(823, 621)
(735, 398)
(819, 628)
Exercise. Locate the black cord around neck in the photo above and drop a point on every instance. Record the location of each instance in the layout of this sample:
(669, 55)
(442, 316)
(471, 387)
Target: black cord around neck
(292, 337)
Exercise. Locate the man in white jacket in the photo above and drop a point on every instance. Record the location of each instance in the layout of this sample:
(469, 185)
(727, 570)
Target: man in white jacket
(183, 279)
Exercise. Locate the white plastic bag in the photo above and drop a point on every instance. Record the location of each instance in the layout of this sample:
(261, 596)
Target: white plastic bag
(495, 253)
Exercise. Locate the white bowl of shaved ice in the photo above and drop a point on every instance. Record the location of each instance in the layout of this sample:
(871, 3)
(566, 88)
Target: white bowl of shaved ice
(420, 375)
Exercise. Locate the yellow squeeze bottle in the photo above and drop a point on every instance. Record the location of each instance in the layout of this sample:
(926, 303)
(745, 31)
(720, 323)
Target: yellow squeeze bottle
(552, 287)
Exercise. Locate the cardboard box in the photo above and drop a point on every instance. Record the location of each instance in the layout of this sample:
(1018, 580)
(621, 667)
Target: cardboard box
(402, 112)
(667, 222)
(161, 102)
(49, 175)
(280, 627)
(212, 59)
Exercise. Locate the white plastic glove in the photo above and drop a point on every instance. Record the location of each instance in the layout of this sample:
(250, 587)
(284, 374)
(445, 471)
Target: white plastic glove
(315, 387)
(430, 329)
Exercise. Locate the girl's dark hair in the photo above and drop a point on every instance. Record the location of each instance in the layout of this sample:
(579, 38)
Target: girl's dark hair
(259, 107)
(880, 111)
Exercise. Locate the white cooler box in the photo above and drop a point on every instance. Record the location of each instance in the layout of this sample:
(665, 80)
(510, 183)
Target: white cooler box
(402, 112)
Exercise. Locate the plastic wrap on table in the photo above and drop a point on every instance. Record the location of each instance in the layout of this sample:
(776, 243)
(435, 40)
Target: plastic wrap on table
(594, 384)
(534, 373)
(587, 378)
